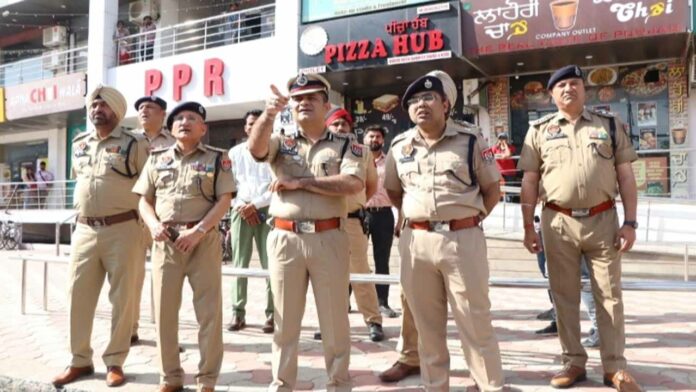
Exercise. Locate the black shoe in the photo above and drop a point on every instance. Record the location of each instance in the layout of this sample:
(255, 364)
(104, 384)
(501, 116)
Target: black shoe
(551, 329)
(135, 339)
(387, 311)
(545, 315)
(317, 335)
(376, 332)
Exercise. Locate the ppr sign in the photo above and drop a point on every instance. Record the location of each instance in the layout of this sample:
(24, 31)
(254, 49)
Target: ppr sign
(181, 76)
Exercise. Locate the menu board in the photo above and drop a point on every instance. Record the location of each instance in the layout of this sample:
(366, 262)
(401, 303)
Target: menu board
(652, 176)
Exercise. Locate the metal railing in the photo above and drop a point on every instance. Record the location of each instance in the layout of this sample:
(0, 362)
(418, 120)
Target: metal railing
(36, 195)
(49, 65)
(225, 29)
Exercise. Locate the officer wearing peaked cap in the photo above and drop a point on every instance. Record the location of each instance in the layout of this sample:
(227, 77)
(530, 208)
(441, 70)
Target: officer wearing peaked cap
(151, 113)
(572, 160)
(185, 189)
(444, 179)
(314, 171)
(107, 241)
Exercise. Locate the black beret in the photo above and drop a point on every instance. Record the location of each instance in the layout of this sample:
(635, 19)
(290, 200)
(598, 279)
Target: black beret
(151, 98)
(567, 72)
(424, 83)
(190, 106)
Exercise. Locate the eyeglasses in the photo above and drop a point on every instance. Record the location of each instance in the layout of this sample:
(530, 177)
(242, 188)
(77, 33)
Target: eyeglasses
(189, 118)
(427, 98)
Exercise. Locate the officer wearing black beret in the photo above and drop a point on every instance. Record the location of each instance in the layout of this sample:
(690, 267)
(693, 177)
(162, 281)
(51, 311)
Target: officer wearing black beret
(575, 160)
(186, 106)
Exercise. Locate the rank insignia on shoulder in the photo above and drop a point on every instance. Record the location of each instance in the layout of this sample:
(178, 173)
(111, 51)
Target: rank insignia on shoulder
(407, 150)
(226, 164)
(357, 150)
(488, 156)
(83, 146)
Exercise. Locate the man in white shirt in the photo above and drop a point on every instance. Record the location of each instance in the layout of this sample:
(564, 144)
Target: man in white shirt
(248, 215)
(43, 180)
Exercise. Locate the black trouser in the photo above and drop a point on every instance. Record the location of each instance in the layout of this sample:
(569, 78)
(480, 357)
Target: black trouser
(381, 224)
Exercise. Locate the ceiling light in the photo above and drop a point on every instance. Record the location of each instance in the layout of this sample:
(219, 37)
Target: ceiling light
(589, 57)
(345, 83)
(520, 64)
(399, 77)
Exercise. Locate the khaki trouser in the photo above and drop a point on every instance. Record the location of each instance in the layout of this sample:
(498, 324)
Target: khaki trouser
(450, 266)
(408, 338)
(202, 267)
(140, 279)
(96, 253)
(565, 239)
(294, 261)
(365, 293)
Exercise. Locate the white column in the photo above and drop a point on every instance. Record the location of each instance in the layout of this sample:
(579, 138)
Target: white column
(103, 16)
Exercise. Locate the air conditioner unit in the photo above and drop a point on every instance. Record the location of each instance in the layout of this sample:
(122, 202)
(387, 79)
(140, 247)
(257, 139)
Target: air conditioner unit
(55, 36)
(139, 9)
(692, 72)
(470, 96)
(54, 60)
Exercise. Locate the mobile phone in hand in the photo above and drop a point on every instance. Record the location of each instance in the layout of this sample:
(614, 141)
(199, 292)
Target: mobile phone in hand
(173, 233)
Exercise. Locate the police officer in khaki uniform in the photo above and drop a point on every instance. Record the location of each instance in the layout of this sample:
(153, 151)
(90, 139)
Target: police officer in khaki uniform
(186, 189)
(444, 179)
(572, 161)
(339, 121)
(107, 241)
(314, 169)
(151, 113)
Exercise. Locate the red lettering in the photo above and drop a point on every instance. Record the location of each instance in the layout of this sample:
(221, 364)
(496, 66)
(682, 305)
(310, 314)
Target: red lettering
(182, 77)
(380, 50)
(364, 49)
(329, 53)
(153, 81)
(417, 42)
(212, 80)
(352, 54)
(341, 53)
(436, 40)
(400, 44)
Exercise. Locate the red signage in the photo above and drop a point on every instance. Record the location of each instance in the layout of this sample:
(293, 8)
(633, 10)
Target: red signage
(501, 26)
(182, 75)
(420, 40)
(55, 95)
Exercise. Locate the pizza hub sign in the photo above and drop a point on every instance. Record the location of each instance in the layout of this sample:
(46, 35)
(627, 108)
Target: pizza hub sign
(407, 37)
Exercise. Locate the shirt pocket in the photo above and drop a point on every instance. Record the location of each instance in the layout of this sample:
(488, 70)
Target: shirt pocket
(292, 165)
(556, 151)
(600, 148)
(164, 179)
(453, 175)
(325, 167)
(82, 165)
(408, 171)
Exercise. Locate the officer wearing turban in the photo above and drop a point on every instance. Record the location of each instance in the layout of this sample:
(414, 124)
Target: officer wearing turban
(108, 236)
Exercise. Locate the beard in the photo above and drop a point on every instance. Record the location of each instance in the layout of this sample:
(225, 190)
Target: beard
(375, 147)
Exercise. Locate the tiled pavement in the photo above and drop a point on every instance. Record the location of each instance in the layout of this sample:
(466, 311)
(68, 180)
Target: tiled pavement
(660, 326)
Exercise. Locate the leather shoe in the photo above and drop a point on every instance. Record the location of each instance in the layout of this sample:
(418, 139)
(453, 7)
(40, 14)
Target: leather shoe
(551, 329)
(268, 326)
(170, 388)
(237, 324)
(71, 374)
(398, 372)
(114, 376)
(568, 376)
(622, 381)
(134, 340)
(376, 332)
(317, 335)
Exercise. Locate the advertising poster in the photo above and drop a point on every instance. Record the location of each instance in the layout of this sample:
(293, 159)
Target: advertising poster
(652, 176)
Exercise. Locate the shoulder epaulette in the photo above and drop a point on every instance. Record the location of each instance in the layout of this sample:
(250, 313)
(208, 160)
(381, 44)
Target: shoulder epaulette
(159, 150)
(399, 138)
(542, 120)
(603, 113)
(215, 149)
(466, 128)
(134, 135)
(80, 135)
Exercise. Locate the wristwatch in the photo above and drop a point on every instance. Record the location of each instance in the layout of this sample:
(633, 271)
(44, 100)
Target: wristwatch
(633, 224)
(200, 229)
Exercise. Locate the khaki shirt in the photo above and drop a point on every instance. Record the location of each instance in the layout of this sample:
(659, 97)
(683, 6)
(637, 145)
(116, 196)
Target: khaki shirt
(435, 180)
(296, 156)
(577, 162)
(163, 139)
(358, 200)
(184, 186)
(101, 191)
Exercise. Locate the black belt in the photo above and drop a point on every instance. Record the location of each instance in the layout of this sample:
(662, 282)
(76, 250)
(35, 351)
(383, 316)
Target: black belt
(377, 209)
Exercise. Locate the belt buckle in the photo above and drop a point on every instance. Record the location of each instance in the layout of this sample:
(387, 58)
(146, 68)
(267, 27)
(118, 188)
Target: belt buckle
(580, 212)
(439, 226)
(305, 226)
(96, 222)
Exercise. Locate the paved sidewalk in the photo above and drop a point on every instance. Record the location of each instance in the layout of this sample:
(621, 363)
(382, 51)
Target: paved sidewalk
(660, 326)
